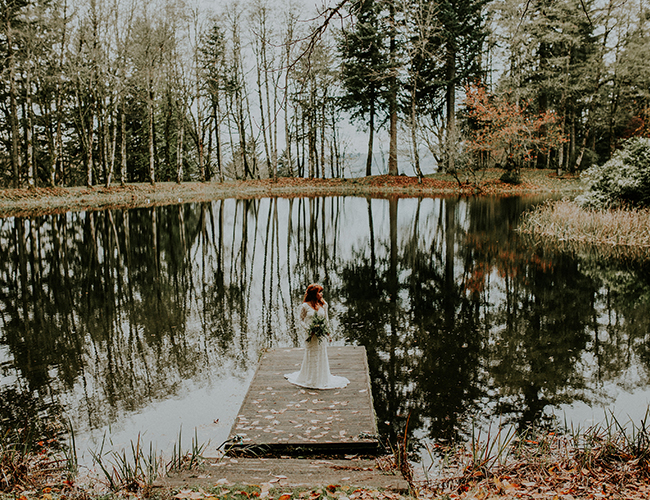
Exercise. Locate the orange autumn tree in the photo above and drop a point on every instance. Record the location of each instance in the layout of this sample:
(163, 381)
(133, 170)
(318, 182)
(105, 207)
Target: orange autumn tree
(504, 133)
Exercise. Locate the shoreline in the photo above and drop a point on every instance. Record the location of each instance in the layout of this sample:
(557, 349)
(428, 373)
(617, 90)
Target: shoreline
(31, 202)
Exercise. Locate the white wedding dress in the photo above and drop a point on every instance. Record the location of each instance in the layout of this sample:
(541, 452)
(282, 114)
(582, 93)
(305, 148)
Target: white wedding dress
(315, 369)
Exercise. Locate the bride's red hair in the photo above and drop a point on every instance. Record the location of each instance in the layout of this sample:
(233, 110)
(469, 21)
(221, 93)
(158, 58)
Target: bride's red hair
(311, 296)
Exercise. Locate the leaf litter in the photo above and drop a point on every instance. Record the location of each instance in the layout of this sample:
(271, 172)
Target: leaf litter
(602, 462)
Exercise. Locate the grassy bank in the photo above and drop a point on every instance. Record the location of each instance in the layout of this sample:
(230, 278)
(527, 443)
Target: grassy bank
(610, 460)
(39, 201)
(564, 224)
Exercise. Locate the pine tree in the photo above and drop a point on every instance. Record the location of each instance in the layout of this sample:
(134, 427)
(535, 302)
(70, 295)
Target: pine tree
(10, 12)
(213, 61)
(364, 69)
(556, 64)
(459, 38)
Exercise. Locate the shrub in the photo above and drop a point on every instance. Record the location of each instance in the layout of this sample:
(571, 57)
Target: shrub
(622, 181)
(511, 177)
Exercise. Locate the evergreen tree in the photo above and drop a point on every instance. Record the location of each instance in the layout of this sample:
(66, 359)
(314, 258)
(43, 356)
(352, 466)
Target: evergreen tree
(628, 98)
(364, 68)
(213, 61)
(11, 15)
(447, 45)
(556, 64)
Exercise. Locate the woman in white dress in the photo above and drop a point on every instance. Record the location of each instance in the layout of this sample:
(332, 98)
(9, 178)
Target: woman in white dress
(315, 369)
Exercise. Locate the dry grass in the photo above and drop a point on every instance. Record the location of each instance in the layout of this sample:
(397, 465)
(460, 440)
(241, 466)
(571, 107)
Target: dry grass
(43, 200)
(610, 460)
(623, 232)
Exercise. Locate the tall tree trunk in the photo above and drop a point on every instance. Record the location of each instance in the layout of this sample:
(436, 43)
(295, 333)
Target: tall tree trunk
(335, 146)
(152, 157)
(179, 149)
(112, 146)
(49, 127)
(89, 149)
(542, 99)
(217, 134)
(252, 162)
(392, 105)
(303, 137)
(450, 99)
(392, 151)
(371, 137)
(29, 128)
(58, 141)
(102, 138)
(167, 130)
(287, 124)
(242, 143)
(414, 134)
(265, 132)
(572, 142)
(122, 145)
(16, 166)
(272, 113)
(322, 136)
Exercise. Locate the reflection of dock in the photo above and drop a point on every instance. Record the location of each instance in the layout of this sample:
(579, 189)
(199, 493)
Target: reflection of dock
(277, 417)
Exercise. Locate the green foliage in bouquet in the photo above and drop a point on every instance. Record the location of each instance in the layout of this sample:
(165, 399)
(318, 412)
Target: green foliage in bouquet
(318, 328)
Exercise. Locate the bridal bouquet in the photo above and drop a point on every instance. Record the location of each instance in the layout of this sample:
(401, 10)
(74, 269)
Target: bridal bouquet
(318, 328)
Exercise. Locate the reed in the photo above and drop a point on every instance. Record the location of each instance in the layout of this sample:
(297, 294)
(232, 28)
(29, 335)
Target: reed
(189, 459)
(489, 451)
(608, 457)
(565, 222)
(124, 472)
(70, 453)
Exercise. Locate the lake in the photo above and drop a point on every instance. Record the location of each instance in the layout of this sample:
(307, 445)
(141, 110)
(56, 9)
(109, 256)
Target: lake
(149, 322)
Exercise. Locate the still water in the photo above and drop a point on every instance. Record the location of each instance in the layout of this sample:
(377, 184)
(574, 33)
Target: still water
(150, 321)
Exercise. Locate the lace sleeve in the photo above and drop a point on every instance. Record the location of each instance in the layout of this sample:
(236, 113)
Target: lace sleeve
(302, 316)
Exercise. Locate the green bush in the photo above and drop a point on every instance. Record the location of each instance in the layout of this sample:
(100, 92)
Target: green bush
(511, 177)
(622, 181)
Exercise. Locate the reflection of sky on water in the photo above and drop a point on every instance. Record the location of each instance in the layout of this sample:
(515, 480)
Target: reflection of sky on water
(206, 412)
(153, 362)
(625, 406)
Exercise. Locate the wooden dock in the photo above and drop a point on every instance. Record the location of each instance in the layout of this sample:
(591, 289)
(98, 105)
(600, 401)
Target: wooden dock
(279, 418)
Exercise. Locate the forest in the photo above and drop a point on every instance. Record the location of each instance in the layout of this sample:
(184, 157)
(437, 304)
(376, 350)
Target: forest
(99, 92)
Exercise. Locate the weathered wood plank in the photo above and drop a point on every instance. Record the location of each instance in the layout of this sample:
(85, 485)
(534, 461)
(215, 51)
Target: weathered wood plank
(291, 473)
(278, 417)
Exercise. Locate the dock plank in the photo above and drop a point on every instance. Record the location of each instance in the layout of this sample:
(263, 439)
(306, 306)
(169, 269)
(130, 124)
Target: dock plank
(279, 417)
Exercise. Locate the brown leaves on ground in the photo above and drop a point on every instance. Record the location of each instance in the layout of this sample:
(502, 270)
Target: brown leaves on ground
(265, 491)
(47, 200)
(553, 468)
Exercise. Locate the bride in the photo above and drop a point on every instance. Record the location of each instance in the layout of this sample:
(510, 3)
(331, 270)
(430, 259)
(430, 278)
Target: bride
(315, 369)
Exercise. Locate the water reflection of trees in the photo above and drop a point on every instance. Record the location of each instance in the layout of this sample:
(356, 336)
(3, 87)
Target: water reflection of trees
(120, 308)
(99, 305)
(408, 309)
(461, 319)
(473, 324)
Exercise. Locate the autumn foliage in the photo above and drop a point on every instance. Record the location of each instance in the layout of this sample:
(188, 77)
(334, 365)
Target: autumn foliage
(505, 133)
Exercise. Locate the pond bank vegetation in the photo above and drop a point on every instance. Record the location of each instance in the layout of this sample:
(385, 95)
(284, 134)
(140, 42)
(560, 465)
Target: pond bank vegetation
(40, 201)
(607, 460)
(618, 232)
